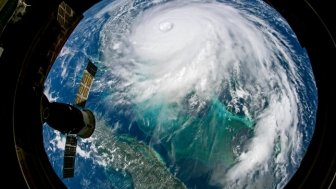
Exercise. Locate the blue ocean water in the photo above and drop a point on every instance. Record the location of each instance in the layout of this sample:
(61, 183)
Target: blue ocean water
(186, 159)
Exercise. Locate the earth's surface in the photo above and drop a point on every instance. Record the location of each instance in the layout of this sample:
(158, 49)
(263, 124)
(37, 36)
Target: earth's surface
(188, 94)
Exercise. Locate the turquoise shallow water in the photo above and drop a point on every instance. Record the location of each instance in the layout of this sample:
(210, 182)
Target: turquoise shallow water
(206, 136)
(169, 137)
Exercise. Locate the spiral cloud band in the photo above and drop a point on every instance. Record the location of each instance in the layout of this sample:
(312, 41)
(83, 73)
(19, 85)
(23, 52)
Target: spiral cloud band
(212, 82)
(211, 50)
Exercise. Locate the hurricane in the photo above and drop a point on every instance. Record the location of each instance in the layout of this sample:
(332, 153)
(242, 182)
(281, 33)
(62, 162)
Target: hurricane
(216, 92)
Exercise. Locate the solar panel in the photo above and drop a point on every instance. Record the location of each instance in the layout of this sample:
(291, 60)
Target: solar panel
(69, 155)
(85, 84)
(71, 139)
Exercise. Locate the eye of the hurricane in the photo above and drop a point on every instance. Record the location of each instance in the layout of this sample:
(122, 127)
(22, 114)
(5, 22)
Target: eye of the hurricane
(189, 94)
(166, 26)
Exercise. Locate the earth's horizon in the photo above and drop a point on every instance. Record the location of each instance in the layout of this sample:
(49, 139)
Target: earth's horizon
(192, 94)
